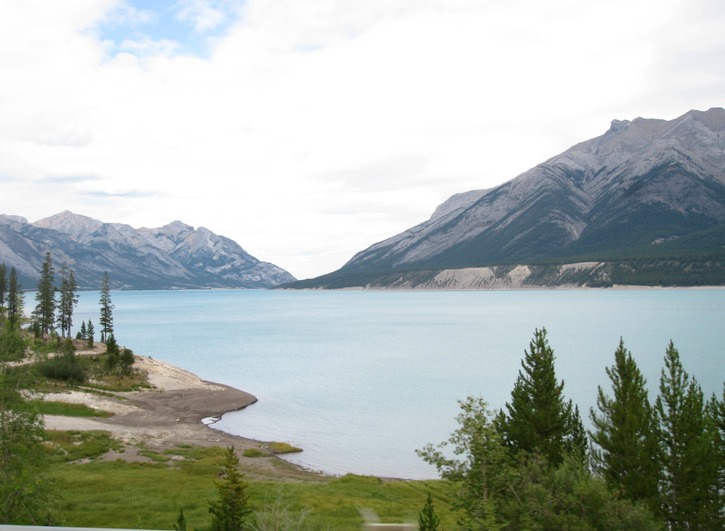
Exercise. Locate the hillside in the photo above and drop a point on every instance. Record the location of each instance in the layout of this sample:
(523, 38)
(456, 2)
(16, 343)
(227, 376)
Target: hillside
(170, 257)
(644, 203)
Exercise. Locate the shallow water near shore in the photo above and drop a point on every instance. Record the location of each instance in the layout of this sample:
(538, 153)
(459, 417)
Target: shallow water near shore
(361, 379)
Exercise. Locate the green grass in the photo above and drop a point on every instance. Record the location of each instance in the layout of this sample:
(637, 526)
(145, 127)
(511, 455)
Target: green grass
(254, 452)
(283, 448)
(69, 410)
(150, 495)
(70, 446)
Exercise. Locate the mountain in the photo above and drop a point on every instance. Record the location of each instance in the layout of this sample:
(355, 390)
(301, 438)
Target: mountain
(643, 203)
(173, 256)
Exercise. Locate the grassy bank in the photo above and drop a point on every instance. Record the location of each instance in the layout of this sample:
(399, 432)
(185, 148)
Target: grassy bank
(98, 493)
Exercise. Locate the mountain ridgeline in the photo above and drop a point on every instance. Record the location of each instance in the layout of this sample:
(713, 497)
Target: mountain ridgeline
(642, 204)
(175, 256)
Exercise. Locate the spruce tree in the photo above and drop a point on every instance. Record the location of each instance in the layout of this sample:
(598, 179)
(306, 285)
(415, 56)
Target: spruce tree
(16, 301)
(106, 319)
(3, 288)
(90, 331)
(45, 309)
(538, 420)
(68, 301)
(231, 510)
(627, 449)
(428, 520)
(690, 471)
(717, 414)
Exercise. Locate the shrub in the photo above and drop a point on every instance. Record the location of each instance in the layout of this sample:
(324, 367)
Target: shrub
(64, 366)
(254, 452)
(283, 448)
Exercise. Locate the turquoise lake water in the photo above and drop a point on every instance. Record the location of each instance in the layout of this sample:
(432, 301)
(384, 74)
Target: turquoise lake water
(360, 379)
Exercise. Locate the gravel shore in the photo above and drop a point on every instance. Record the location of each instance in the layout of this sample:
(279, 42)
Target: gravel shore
(168, 415)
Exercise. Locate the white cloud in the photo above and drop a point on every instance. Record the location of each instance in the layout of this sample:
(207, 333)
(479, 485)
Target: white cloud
(317, 128)
(201, 13)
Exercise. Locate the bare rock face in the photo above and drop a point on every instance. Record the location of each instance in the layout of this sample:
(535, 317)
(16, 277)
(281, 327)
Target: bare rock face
(646, 188)
(173, 256)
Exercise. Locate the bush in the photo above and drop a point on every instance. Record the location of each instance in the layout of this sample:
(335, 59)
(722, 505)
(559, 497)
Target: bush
(12, 344)
(254, 452)
(126, 361)
(283, 448)
(64, 367)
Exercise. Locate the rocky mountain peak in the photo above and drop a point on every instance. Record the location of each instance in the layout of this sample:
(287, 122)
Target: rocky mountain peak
(6, 218)
(645, 189)
(76, 226)
(173, 256)
(618, 126)
(176, 228)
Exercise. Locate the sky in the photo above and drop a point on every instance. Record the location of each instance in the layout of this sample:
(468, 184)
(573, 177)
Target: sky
(309, 130)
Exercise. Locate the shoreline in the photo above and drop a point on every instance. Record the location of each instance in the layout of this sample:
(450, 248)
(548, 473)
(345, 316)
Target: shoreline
(170, 414)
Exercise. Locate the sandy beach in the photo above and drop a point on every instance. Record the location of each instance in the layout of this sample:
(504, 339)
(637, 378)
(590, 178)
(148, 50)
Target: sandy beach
(167, 415)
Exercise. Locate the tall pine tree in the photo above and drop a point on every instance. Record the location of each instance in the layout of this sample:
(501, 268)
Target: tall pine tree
(538, 419)
(3, 288)
(716, 410)
(16, 301)
(690, 480)
(106, 319)
(230, 510)
(68, 301)
(45, 309)
(627, 448)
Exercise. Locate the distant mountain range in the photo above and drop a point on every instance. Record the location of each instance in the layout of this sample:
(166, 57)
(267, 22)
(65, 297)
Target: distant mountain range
(642, 204)
(175, 256)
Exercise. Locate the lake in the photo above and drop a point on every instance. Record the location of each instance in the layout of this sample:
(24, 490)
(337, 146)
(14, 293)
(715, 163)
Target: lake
(361, 379)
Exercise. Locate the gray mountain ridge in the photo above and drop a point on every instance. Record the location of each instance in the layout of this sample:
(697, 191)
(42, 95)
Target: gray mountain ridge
(648, 195)
(175, 256)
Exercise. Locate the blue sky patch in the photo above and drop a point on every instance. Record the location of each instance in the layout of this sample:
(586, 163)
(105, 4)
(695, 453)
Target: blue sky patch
(181, 27)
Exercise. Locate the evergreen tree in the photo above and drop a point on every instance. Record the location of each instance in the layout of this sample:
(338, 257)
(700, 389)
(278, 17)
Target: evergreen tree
(82, 331)
(12, 343)
(45, 309)
(717, 415)
(113, 353)
(106, 319)
(567, 497)
(126, 361)
(625, 433)
(690, 470)
(3, 288)
(527, 493)
(538, 419)
(180, 524)
(68, 301)
(428, 520)
(16, 302)
(90, 331)
(231, 510)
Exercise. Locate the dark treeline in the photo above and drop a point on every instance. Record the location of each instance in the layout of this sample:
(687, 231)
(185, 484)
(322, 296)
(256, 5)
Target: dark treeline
(643, 465)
